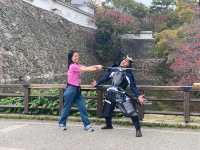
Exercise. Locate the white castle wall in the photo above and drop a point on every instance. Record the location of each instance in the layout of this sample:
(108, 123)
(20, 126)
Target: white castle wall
(82, 16)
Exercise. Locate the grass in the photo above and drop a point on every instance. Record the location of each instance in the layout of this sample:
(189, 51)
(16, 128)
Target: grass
(164, 121)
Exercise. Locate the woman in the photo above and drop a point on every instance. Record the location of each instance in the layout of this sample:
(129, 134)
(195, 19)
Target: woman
(116, 95)
(72, 93)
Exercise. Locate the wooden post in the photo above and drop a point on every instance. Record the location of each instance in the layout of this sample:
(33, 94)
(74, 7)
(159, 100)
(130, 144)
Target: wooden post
(99, 101)
(26, 98)
(141, 108)
(141, 111)
(61, 100)
(187, 107)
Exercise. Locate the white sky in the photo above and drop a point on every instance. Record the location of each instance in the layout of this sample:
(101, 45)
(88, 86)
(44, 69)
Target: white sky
(146, 2)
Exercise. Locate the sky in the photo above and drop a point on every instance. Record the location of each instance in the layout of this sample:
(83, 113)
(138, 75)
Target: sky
(146, 2)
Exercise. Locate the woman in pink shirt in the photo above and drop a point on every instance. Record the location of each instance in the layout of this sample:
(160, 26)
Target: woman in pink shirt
(72, 93)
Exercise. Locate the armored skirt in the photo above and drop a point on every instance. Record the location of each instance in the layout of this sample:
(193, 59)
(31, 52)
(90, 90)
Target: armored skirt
(115, 97)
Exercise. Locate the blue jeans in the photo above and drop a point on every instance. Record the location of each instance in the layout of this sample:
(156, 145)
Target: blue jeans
(72, 94)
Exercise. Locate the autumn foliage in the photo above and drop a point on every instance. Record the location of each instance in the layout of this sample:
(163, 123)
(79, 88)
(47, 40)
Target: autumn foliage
(180, 45)
(186, 63)
(120, 22)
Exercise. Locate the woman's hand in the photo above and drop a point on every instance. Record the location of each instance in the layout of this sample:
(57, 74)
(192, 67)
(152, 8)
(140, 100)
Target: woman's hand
(141, 99)
(94, 83)
(98, 67)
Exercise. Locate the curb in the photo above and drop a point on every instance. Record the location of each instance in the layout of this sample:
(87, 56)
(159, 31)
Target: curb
(123, 122)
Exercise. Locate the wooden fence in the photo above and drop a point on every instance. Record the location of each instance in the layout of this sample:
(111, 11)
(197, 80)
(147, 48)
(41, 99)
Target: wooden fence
(185, 99)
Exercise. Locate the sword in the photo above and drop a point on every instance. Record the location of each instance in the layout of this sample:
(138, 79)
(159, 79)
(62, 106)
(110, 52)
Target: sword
(119, 68)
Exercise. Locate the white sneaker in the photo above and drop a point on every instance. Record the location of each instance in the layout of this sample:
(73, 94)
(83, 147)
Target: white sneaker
(89, 128)
(62, 126)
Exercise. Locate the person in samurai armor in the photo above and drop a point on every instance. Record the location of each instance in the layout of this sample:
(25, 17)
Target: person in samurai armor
(117, 96)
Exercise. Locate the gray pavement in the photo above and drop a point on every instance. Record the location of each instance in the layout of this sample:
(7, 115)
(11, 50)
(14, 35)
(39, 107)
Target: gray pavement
(43, 135)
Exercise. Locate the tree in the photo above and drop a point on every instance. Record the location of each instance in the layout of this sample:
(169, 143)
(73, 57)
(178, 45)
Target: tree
(162, 6)
(165, 42)
(111, 24)
(173, 29)
(186, 62)
(185, 10)
(94, 4)
(131, 7)
(180, 45)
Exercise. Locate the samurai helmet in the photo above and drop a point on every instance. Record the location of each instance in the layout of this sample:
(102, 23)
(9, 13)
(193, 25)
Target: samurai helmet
(129, 58)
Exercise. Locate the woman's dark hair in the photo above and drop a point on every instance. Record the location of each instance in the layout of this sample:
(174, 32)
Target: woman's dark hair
(69, 57)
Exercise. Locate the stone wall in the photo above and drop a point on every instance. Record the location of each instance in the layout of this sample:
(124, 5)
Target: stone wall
(138, 48)
(34, 42)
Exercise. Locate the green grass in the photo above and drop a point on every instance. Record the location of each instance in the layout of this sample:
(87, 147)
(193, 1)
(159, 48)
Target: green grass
(160, 121)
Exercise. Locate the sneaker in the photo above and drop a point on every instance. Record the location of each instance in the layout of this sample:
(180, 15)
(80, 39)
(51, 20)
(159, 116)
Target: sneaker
(89, 128)
(62, 126)
(107, 127)
(138, 133)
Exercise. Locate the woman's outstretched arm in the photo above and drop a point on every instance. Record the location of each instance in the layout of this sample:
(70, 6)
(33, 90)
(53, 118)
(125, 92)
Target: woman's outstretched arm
(91, 68)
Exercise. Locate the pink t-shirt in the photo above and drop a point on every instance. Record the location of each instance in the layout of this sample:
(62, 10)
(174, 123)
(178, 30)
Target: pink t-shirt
(74, 74)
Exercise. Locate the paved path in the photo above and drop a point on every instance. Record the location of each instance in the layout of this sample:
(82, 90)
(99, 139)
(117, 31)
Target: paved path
(42, 135)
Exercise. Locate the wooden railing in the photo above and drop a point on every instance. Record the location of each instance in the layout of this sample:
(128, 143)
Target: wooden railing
(185, 99)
